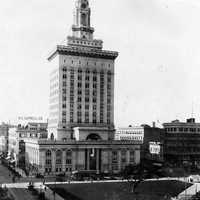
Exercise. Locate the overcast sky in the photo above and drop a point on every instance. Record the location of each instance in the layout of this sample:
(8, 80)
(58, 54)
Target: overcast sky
(157, 71)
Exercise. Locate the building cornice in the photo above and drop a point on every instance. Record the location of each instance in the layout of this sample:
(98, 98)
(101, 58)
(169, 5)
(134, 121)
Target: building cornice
(84, 52)
(73, 142)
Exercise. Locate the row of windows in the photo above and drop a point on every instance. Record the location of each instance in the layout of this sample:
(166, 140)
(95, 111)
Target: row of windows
(88, 71)
(182, 129)
(87, 120)
(124, 157)
(87, 100)
(131, 138)
(130, 132)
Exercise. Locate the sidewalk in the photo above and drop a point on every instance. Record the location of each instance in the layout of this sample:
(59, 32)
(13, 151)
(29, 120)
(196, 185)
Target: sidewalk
(21, 194)
(189, 192)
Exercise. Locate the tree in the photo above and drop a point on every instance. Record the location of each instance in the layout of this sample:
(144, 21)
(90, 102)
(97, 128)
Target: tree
(134, 175)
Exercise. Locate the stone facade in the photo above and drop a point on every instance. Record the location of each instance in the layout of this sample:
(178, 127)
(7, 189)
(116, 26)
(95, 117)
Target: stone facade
(4, 128)
(182, 143)
(81, 122)
(55, 157)
(81, 82)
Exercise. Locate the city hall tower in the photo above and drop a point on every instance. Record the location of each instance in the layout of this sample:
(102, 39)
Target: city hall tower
(82, 84)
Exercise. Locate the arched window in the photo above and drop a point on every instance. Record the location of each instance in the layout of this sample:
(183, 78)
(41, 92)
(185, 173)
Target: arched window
(58, 157)
(68, 157)
(93, 137)
(79, 70)
(48, 153)
(52, 136)
(48, 158)
(87, 71)
(83, 19)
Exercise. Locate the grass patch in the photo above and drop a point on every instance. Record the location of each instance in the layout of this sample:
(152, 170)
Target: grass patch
(156, 190)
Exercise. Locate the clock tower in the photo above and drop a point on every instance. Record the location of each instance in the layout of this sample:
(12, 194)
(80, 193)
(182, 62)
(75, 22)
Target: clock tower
(81, 27)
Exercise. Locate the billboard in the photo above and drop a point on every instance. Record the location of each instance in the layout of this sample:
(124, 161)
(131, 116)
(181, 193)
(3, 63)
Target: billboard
(154, 147)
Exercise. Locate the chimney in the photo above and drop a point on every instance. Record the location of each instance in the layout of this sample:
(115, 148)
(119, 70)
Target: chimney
(191, 120)
(154, 124)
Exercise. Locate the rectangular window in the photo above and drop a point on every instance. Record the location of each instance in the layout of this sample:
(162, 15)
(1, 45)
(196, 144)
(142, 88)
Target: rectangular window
(87, 107)
(79, 92)
(64, 98)
(94, 78)
(79, 99)
(64, 76)
(79, 107)
(87, 92)
(79, 85)
(123, 157)
(64, 84)
(87, 99)
(114, 157)
(87, 85)
(95, 85)
(64, 91)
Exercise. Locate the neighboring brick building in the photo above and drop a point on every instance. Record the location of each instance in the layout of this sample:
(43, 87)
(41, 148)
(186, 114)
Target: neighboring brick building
(152, 139)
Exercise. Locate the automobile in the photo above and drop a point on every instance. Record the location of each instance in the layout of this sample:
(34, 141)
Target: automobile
(84, 175)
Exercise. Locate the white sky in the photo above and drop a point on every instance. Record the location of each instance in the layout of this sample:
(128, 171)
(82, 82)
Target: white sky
(157, 71)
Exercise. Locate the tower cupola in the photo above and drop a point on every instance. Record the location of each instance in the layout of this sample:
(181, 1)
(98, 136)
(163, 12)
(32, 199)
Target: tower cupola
(81, 28)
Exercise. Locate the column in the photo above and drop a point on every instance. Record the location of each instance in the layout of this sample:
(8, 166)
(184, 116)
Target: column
(119, 160)
(53, 160)
(127, 156)
(137, 156)
(63, 160)
(42, 159)
(88, 159)
(97, 160)
(110, 160)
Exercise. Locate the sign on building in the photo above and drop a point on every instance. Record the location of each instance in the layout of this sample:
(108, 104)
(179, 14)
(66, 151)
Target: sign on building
(154, 147)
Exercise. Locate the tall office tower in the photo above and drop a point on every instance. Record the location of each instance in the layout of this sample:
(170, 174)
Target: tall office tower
(82, 84)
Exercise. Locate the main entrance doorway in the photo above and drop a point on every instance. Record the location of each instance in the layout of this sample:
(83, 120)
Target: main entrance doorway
(93, 159)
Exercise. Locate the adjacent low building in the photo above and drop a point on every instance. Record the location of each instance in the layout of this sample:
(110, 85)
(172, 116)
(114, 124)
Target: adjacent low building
(4, 128)
(135, 133)
(16, 137)
(182, 144)
(100, 156)
(152, 139)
